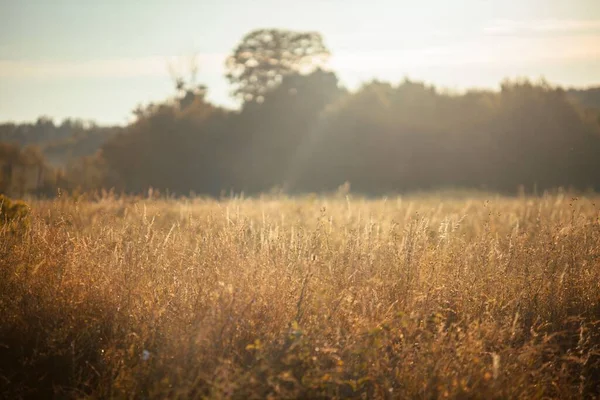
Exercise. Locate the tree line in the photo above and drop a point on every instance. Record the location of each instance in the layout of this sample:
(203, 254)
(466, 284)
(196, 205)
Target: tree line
(59, 143)
(298, 130)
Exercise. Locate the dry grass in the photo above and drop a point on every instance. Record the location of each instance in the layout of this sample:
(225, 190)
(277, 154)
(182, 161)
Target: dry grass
(416, 297)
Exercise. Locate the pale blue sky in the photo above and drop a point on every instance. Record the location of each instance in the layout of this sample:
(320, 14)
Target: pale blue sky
(99, 59)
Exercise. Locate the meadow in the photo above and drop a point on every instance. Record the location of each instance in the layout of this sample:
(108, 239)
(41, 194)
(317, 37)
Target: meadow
(448, 295)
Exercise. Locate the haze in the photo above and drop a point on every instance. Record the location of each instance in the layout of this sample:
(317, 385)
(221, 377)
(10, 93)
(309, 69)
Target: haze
(98, 61)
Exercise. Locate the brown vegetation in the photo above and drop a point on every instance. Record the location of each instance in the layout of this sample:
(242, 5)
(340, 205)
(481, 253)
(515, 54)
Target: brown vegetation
(474, 296)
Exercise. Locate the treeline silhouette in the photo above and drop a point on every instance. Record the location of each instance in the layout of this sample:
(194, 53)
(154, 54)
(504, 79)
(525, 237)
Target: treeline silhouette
(299, 131)
(59, 143)
(310, 136)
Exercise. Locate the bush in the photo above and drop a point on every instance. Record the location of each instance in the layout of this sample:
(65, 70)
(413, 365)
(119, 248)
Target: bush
(13, 213)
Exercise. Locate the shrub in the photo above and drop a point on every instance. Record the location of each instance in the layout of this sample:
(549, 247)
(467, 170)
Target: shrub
(13, 213)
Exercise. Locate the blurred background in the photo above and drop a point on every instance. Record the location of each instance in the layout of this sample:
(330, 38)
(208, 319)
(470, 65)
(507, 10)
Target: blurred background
(224, 97)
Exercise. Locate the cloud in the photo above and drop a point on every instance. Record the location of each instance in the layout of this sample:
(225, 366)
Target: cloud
(511, 27)
(109, 68)
(499, 51)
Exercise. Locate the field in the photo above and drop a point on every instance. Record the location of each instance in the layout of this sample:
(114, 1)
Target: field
(425, 296)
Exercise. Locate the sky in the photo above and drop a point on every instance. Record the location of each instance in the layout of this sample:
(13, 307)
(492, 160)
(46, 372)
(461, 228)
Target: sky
(98, 60)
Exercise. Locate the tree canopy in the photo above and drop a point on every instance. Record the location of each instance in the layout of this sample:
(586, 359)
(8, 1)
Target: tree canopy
(265, 56)
(299, 131)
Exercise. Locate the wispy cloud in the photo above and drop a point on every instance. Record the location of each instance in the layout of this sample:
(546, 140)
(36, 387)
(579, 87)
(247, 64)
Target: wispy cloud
(502, 51)
(109, 68)
(511, 26)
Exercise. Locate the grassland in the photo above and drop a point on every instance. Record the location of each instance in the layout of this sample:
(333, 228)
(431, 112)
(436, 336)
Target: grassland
(475, 296)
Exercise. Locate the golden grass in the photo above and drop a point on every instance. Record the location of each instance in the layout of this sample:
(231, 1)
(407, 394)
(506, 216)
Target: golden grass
(415, 297)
